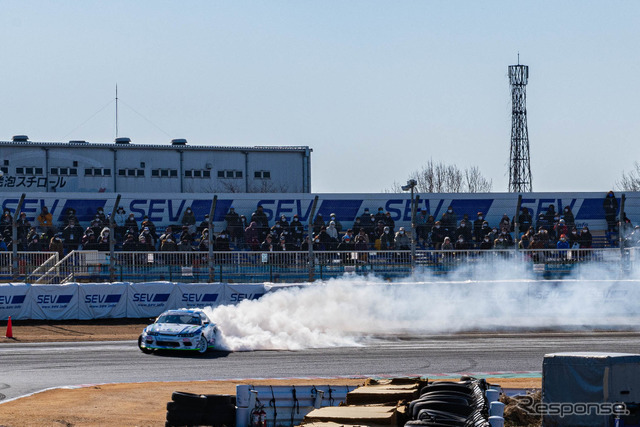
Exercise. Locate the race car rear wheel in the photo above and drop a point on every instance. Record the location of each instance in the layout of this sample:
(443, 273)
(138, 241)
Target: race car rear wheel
(143, 349)
(202, 345)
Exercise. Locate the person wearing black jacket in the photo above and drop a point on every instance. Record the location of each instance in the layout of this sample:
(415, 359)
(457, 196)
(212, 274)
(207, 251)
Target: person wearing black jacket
(610, 206)
(234, 224)
(524, 220)
(72, 235)
(261, 220)
(297, 230)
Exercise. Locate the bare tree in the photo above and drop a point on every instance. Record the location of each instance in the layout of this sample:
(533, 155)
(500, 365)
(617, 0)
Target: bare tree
(266, 186)
(630, 181)
(230, 187)
(475, 182)
(441, 178)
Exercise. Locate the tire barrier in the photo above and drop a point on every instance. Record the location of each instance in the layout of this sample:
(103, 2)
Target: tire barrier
(189, 409)
(467, 402)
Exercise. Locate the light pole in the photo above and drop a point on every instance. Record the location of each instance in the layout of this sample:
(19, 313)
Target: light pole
(411, 184)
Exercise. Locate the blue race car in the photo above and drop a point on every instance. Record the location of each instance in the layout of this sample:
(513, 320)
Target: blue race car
(179, 330)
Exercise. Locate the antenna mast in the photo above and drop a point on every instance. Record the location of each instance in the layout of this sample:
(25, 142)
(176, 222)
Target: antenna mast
(519, 164)
(116, 110)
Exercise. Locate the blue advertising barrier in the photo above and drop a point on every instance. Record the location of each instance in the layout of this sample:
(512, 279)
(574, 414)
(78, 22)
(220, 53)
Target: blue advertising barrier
(117, 300)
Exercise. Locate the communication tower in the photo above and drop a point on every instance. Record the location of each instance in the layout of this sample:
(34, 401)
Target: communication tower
(519, 165)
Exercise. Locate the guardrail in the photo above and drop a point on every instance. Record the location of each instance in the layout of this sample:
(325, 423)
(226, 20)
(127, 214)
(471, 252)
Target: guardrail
(94, 266)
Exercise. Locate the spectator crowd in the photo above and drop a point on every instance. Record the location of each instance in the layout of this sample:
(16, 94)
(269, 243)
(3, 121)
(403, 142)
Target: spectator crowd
(370, 231)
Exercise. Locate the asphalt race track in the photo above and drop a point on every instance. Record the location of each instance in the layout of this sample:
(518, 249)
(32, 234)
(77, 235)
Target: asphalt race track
(28, 368)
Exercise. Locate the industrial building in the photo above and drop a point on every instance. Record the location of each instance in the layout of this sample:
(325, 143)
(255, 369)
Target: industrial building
(122, 166)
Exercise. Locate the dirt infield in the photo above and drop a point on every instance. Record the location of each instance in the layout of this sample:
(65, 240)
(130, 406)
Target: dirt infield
(73, 330)
(133, 404)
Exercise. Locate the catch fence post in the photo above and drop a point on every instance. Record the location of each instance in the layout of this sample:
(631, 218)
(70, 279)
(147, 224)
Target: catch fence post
(112, 240)
(14, 236)
(214, 202)
(312, 266)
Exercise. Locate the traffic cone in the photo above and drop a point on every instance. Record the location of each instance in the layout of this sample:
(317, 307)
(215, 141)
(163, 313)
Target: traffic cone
(9, 329)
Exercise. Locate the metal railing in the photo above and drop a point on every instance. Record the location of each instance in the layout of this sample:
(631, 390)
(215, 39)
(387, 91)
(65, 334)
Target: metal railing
(25, 264)
(94, 266)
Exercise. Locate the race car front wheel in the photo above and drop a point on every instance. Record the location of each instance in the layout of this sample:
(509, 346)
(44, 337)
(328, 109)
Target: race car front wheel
(143, 349)
(202, 345)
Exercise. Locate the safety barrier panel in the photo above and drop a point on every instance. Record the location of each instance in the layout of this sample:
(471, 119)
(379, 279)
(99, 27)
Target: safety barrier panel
(190, 267)
(117, 300)
(284, 405)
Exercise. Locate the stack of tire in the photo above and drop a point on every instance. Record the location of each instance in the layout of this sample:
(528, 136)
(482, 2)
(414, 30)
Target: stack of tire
(451, 403)
(188, 409)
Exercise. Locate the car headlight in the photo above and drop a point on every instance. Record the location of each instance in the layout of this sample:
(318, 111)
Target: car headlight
(152, 334)
(191, 335)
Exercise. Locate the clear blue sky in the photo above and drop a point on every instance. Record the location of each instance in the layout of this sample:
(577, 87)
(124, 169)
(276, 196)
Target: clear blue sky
(376, 88)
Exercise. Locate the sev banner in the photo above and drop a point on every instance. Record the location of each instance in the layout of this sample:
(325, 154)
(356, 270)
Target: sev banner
(14, 301)
(149, 299)
(54, 302)
(102, 300)
(199, 295)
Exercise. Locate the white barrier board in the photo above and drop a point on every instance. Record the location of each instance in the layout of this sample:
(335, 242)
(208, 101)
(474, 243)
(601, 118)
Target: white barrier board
(237, 292)
(14, 301)
(149, 299)
(54, 302)
(199, 295)
(102, 300)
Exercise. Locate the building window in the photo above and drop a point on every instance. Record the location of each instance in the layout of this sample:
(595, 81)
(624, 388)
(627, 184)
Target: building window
(100, 172)
(262, 175)
(129, 172)
(29, 170)
(4, 169)
(197, 173)
(231, 174)
(164, 173)
(62, 171)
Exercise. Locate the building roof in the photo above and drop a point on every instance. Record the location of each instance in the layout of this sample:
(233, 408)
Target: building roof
(133, 146)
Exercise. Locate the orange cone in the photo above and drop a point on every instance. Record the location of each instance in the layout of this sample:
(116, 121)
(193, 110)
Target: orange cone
(9, 329)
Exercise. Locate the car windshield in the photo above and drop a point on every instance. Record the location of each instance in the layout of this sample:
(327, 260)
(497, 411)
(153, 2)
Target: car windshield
(183, 319)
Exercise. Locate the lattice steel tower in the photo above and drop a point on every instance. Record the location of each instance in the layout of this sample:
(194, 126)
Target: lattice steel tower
(519, 167)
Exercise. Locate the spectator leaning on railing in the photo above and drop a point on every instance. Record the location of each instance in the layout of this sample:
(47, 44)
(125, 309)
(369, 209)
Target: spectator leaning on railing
(402, 240)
